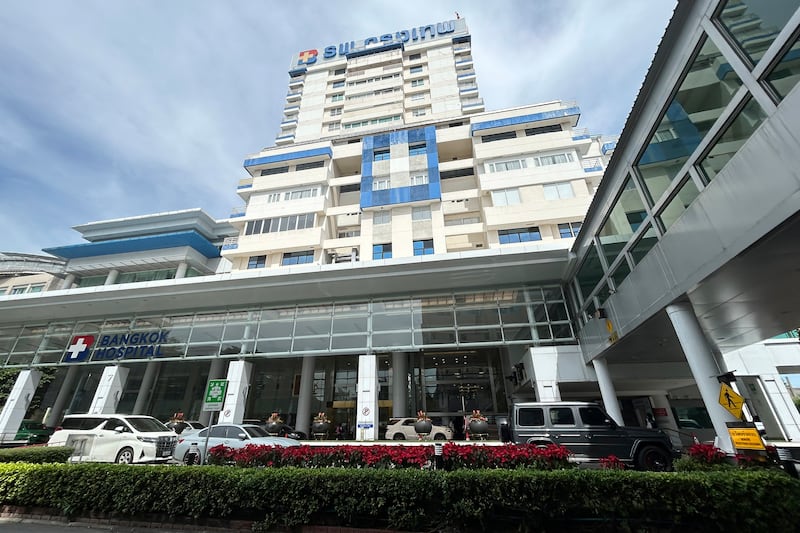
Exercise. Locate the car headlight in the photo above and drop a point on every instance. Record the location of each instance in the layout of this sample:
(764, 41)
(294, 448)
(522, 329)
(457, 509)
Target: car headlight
(152, 440)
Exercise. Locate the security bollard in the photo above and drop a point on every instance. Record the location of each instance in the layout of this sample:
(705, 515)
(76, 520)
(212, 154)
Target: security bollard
(438, 456)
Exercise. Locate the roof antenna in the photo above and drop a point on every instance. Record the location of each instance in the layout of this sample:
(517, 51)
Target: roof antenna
(457, 15)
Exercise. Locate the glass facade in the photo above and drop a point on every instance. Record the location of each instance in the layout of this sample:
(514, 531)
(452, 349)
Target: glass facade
(786, 73)
(754, 24)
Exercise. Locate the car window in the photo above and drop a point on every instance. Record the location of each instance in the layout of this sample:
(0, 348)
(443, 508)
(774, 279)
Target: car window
(562, 416)
(219, 431)
(409, 422)
(255, 431)
(530, 416)
(147, 425)
(113, 423)
(82, 422)
(202, 433)
(592, 416)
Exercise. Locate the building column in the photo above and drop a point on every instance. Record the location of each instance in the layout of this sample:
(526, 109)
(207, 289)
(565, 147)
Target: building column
(399, 384)
(303, 421)
(181, 270)
(112, 277)
(68, 281)
(607, 390)
(236, 397)
(216, 371)
(53, 416)
(705, 369)
(109, 390)
(367, 402)
(545, 373)
(16, 406)
(662, 412)
(146, 388)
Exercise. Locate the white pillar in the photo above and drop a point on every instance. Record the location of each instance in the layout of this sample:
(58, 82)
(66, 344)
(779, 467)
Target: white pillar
(303, 422)
(607, 390)
(109, 390)
(662, 412)
(180, 272)
(112, 277)
(367, 403)
(545, 373)
(705, 369)
(68, 281)
(216, 371)
(16, 406)
(146, 387)
(399, 384)
(236, 396)
(64, 394)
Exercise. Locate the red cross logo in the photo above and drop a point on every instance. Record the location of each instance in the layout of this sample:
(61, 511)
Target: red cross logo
(307, 57)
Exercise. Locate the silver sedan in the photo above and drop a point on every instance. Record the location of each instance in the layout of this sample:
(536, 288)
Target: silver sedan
(230, 435)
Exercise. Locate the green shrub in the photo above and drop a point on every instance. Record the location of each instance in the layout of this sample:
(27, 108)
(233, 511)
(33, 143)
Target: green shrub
(417, 500)
(35, 454)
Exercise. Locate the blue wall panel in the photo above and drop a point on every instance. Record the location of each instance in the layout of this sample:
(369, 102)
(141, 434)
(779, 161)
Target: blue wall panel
(137, 244)
(288, 157)
(522, 119)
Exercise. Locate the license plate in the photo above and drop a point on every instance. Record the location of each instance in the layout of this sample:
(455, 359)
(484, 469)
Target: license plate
(165, 453)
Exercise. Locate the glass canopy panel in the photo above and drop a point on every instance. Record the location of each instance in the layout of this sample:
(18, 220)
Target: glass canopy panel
(622, 222)
(754, 24)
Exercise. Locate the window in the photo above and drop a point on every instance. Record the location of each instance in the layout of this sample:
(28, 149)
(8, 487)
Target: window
(519, 235)
(562, 416)
(421, 213)
(554, 159)
(419, 179)
(569, 229)
(278, 170)
(301, 193)
(417, 69)
(502, 166)
(732, 138)
(36, 288)
(257, 261)
(355, 187)
(543, 129)
(338, 84)
(17, 290)
(558, 191)
(381, 184)
(416, 149)
(754, 24)
(287, 223)
(298, 258)
(503, 197)
(786, 73)
(381, 217)
(592, 416)
(417, 83)
(530, 416)
(381, 155)
(338, 72)
(307, 166)
(419, 112)
(336, 111)
(334, 126)
(635, 218)
(418, 96)
(349, 233)
(337, 97)
(458, 173)
(414, 57)
(382, 251)
(423, 247)
(499, 136)
(273, 197)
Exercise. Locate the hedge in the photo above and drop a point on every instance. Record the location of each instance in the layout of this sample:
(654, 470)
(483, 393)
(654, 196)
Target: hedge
(415, 499)
(35, 454)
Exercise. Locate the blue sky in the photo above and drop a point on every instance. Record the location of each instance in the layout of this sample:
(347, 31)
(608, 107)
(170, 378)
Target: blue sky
(114, 109)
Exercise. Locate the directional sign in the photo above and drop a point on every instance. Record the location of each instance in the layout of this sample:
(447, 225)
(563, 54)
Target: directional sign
(215, 394)
(730, 400)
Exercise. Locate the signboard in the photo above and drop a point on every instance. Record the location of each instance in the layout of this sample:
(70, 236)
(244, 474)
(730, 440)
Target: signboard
(746, 438)
(365, 425)
(215, 394)
(730, 400)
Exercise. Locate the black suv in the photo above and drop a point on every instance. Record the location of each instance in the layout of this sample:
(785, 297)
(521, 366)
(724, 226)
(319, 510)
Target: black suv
(589, 433)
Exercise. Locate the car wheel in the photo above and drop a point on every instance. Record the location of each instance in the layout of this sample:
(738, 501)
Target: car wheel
(125, 456)
(653, 458)
(190, 459)
(399, 436)
(440, 436)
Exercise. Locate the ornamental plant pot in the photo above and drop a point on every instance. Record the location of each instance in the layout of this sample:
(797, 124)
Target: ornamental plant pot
(274, 428)
(478, 427)
(423, 427)
(320, 429)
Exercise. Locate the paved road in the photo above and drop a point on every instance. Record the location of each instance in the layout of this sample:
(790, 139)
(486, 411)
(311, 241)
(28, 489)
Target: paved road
(14, 525)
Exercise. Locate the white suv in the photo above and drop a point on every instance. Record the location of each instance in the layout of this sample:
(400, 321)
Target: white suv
(115, 438)
(403, 429)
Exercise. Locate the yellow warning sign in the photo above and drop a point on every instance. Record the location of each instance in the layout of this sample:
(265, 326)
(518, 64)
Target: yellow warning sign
(746, 439)
(730, 400)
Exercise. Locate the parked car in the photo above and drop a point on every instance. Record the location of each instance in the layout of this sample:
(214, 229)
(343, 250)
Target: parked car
(33, 432)
(180, 426)
(589, 433)
(403, 429)
(115, 438)
(286, 430)
(230, 435)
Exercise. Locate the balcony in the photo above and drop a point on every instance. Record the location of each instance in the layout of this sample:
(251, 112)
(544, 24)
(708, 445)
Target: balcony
(230, 243)
(237, 212)
(594, 164)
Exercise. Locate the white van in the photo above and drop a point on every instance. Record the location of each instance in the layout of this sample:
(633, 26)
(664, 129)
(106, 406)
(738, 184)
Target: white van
(115, 438)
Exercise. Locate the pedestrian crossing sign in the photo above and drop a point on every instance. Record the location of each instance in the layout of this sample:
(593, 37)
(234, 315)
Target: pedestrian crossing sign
(730, 400)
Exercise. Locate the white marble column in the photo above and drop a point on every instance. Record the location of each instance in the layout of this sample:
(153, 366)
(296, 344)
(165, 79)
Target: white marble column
(68, 281)
(180, 272)
(111, 278)
(109, 390)
(607, 390)
(367, 403)
(16, 405)
(236, 397)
